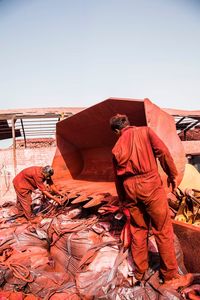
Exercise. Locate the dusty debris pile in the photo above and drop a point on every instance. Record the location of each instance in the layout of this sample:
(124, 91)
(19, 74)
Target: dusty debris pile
(68, 252)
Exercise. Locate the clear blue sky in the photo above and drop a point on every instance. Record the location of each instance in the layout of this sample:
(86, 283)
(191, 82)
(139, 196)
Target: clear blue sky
(80, 52)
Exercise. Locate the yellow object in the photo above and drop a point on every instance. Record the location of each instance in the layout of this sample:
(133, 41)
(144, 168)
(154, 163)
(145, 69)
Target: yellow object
(191, 178)
(180, 218)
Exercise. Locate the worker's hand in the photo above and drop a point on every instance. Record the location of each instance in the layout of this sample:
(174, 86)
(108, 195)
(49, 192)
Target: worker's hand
(60, 194)
(173, 182)
(57, 200)
(107, 209)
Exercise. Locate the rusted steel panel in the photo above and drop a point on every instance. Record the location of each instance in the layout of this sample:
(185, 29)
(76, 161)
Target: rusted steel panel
(189, 238)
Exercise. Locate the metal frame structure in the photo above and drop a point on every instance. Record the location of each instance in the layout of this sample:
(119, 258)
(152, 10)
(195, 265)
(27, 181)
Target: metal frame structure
(186, 123)
(31, 123)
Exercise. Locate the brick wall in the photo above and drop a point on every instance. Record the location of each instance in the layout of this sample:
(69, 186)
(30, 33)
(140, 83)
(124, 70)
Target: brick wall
(25, 158)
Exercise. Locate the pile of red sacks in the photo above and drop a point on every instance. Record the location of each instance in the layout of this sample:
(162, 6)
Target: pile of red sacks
(76, 254)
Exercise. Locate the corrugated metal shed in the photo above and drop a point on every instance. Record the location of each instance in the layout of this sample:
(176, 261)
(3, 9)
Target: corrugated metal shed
(31, 123)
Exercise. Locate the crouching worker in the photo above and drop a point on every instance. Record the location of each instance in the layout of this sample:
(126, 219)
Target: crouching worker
(27, 181)
(140, 189)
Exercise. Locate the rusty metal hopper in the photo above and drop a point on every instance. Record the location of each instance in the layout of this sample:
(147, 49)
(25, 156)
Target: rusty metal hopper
(84, 142)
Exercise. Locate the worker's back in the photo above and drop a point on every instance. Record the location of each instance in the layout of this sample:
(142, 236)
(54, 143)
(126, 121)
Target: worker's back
(29, 179)
(133, 151)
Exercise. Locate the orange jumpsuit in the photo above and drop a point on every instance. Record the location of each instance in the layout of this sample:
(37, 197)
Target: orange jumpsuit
(139, 184)
(24, 183)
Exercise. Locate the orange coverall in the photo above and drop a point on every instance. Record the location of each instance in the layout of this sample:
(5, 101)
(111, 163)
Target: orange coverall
(24, 183)
(139, 184)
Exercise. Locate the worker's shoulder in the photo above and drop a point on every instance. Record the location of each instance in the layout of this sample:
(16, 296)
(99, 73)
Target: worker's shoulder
(31, 171)
(140, 128)
(129, 130)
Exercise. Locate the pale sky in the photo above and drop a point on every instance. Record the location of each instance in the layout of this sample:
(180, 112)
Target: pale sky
(80, 52)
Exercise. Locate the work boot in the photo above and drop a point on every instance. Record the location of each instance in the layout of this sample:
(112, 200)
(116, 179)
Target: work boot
(178, 281)
(141, 278)
(138, 276)
(144, 276)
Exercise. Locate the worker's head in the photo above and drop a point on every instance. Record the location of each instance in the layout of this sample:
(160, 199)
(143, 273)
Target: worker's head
(47, 171)
(118, 122)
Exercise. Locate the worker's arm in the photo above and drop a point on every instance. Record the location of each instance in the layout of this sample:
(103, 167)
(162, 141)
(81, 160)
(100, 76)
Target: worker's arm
(53, 187)
(50, 196)
(119, 185)
(162, 153)
(43, 189)
(55, 190)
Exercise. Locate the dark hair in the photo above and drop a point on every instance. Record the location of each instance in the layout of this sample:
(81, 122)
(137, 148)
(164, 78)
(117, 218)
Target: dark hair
(48, 171)
(119, 121)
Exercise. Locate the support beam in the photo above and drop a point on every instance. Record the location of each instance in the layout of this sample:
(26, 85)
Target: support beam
(14, 145)
(22, 124)
(191, 125)
(179, 121)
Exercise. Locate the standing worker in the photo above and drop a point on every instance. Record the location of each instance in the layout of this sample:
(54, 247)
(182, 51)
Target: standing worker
(27, 181)
(140, 189)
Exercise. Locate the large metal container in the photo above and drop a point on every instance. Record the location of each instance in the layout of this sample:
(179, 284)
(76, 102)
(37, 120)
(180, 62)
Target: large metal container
(84, 141)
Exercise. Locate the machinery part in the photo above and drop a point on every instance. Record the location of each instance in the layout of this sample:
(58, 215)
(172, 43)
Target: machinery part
(83, 156)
